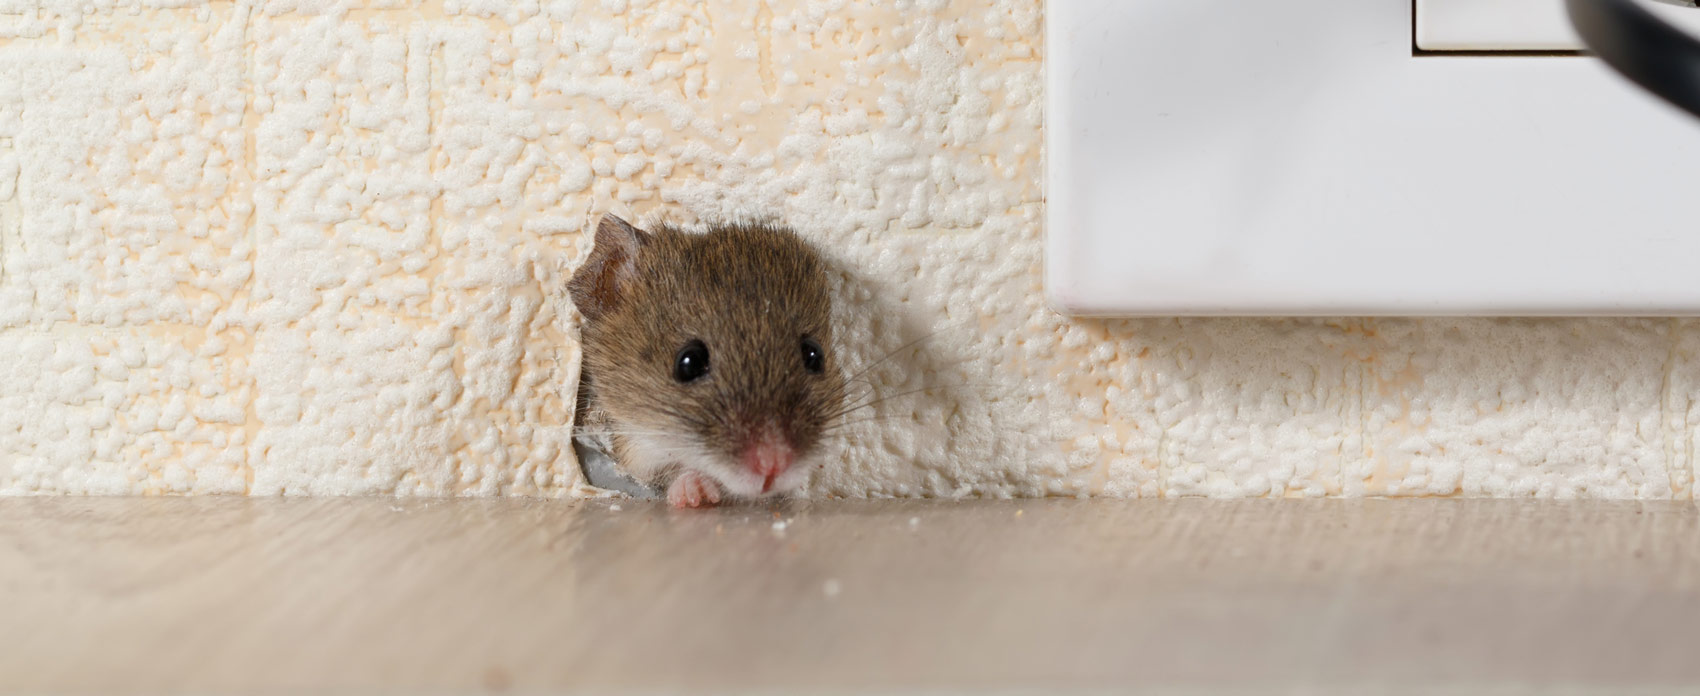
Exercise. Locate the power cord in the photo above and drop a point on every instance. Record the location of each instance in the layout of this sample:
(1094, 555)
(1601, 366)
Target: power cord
(1644, 48)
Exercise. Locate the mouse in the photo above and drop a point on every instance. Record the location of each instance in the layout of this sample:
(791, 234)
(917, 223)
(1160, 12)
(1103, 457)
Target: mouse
(708, 358)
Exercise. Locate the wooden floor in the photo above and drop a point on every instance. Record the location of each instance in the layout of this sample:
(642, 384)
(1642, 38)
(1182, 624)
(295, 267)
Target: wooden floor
(360, 596)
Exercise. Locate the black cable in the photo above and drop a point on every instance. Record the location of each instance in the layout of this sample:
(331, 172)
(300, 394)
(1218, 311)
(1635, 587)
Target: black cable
(1635, 42)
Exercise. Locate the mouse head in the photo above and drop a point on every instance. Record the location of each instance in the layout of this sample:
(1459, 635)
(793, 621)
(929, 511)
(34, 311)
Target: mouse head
(711, 352)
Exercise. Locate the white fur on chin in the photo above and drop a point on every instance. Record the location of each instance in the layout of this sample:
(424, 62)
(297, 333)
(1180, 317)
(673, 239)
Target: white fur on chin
(650, 454)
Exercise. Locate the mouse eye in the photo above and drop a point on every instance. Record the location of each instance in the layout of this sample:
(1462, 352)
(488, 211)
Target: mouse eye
(814, 358)
(691, 363)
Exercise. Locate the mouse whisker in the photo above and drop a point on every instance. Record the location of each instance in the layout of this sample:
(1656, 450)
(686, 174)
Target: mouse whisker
(882, 399)
(634, 432)
(900, 349)
(867, 392)
(841, 425)
(879, 398)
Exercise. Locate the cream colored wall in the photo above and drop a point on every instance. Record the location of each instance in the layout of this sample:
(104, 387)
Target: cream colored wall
(315, 248)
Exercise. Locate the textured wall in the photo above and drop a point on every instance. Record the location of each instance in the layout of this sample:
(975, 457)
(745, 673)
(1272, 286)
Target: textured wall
(316, 248)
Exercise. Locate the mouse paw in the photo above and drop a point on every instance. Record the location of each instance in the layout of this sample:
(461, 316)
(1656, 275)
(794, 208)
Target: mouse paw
(692, 489)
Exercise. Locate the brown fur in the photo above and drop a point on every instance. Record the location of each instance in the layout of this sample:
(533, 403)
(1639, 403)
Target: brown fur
(749, 292)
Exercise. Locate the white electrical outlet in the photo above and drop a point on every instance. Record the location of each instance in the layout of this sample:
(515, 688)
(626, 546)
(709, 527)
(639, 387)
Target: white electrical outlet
(1210, 157)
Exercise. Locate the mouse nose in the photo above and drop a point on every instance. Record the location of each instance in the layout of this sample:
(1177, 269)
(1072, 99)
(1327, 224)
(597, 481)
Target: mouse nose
(768, 455)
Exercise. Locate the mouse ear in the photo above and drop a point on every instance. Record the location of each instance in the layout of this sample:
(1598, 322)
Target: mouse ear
(608, 274)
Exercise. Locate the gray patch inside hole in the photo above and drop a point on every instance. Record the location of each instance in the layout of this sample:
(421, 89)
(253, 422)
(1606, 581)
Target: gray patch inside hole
(600, 471)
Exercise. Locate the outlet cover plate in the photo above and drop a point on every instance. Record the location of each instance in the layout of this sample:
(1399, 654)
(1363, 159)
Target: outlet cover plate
(1224, 157)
